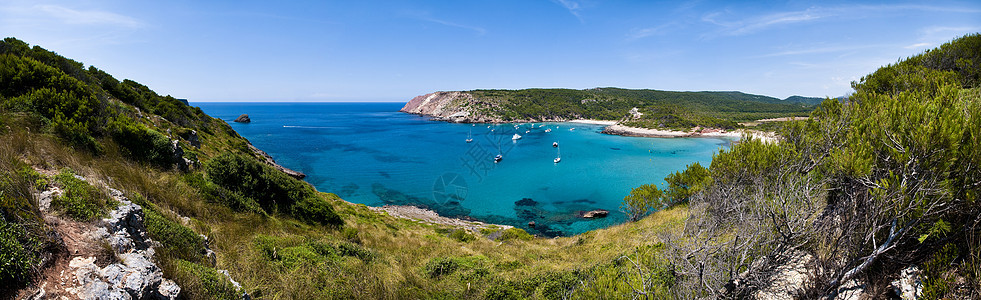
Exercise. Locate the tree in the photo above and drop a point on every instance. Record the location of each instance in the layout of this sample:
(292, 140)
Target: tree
(682, 185)
(641, 201)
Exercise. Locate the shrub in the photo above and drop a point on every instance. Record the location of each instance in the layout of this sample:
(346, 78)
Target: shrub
(682, 185)
(273, 190)
(440, 266)
(79, 200)
(195, 278)
(220, 195)
(16, 261)
(177, 239)
(641, 201)
(515, 233)
(141, 143)
(462, 236)
(313, 209)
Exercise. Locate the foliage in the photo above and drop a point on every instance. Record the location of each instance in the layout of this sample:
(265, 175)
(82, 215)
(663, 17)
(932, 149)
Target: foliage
(272, 190)
(202, 282)
(18, 255)
(514, 233)
(683, 185)
(79, 200)
(936, 272)
(641, 201)
(141, 143)
(660, 108)
(180, 241)
(217, 194)
(861, 187)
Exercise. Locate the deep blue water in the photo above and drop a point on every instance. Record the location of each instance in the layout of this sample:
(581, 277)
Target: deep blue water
(372, 154)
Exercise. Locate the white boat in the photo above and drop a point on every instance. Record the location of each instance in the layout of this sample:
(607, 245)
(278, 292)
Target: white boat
(555, 144)
(515, 137)
(470, 136)
(498, 158)
(548, 130)
(572, 129)
(558, 154)
(527, 131)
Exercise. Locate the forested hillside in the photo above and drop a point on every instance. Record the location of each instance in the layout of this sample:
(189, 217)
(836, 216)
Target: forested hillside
(659, 108)
(639, 108)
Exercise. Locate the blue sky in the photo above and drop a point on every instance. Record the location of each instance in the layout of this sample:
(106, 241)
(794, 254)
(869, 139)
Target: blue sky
(395, 50)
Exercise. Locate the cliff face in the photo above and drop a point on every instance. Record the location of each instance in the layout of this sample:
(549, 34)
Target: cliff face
(445, 106)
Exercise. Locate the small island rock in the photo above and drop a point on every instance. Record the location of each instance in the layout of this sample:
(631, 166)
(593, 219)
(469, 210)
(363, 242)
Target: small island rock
(599, 213)
(244, 118)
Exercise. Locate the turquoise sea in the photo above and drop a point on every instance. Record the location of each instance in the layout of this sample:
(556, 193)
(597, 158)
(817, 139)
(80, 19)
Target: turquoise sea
(372, 154)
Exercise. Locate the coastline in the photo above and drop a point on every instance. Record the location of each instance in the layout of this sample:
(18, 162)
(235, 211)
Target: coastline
(766, 137)
(594, 122)
(428, 216)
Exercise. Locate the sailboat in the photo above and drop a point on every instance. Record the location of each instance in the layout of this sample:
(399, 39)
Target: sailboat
(558, 154)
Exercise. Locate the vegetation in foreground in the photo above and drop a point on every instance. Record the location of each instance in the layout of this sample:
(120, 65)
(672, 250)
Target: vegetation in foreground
(865, 188)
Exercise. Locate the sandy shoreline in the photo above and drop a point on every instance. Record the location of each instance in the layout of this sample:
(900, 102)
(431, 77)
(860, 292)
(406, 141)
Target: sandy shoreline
(767, 137)
(594, 122)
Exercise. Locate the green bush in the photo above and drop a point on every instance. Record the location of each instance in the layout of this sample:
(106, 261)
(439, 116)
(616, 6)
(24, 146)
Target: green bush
(177, 239)
(16, 262)
(440, 266)
(937, 282)
(313, 209)
(195, 278)
(641, 201)
(79, 200)
(221, 195)
(141, 143)
(683, 185)
(273, 190)
(515, 233)
(462, 236)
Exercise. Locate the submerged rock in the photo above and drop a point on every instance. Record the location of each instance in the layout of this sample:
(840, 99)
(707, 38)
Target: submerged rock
(244, 118)
(526, 202)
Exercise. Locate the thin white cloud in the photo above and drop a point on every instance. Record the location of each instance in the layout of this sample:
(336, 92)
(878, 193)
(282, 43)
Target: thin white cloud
(917, 45)
(818, 50)
(86, 17)
(647, 32)
(478, 30)
(755, 24)
(572, 6)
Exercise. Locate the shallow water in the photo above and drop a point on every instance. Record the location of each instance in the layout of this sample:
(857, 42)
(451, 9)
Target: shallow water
(372, 154)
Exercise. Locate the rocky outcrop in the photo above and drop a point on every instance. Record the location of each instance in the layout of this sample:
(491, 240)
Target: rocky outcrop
(244, 118)
(909, 285)
(183, 164)
(134, 276)
(598, 213)
(444, 106)
(463, 107)
(270, 161)
(192, 138)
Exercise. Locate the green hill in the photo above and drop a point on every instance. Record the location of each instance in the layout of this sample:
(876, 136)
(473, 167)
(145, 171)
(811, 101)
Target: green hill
(639, 108)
